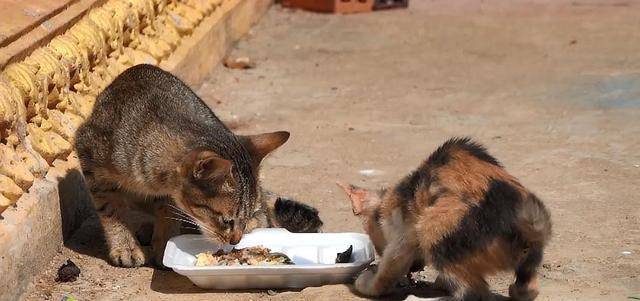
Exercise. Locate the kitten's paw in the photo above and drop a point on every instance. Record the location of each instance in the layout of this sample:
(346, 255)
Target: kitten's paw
(522, 293)
(127, 257)
(365, 284)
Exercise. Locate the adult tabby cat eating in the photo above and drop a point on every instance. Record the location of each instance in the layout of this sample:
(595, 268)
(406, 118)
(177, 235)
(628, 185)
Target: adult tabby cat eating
(151, 142)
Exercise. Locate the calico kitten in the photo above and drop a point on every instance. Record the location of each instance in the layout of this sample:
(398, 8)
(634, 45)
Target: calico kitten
(461, 212)
(152, 144)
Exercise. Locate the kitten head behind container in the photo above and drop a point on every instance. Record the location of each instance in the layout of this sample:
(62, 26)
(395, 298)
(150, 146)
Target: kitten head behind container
(366, 204)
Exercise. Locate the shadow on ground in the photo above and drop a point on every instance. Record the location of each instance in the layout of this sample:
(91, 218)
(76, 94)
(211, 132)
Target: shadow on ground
(168, 282)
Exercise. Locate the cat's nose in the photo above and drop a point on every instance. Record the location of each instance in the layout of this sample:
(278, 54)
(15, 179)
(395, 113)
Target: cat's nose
(235, 237)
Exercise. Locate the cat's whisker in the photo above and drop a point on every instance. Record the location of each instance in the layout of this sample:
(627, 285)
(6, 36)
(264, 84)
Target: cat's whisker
(190, 228)
(214, 234)
(184, 220)
(183, 215)
(174, 207)
(202, 228)
(207, 229)
(177, 210)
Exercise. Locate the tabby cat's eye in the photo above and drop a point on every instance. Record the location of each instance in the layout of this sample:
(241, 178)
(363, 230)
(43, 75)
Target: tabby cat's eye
(228, 223)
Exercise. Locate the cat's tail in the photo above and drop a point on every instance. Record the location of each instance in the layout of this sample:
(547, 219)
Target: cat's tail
(534, 222)
(292, 215)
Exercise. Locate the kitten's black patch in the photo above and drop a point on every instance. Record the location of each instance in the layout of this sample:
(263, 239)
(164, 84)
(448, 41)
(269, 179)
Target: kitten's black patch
(493, 217)
(296, 217)
(376, 215)
(417, 265)
(442, 155)
(344, 257)
(426, 174)
(478, 151)
(406, 189)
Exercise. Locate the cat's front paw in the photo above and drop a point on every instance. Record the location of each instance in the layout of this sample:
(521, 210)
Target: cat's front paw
(127, 256)
(365, 284)
(522, 293)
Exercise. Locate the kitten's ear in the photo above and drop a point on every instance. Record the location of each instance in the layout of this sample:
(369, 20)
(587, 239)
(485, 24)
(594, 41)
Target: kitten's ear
(361, 198)
(207, 165)
(259, 146)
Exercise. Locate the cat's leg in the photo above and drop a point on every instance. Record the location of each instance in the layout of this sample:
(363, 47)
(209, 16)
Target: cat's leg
(165, 227)
(526, 286)
(394, 264)
(465, 285)
(441, 284)
(112, 206)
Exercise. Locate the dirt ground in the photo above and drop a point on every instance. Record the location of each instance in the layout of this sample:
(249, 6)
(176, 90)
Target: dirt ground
(552, 88)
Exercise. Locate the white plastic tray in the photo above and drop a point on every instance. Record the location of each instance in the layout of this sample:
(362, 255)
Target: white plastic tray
(314, 256)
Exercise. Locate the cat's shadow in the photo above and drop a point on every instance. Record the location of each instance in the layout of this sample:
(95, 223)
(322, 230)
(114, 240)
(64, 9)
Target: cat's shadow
(81, 229)
(169, 282)
(420, 290)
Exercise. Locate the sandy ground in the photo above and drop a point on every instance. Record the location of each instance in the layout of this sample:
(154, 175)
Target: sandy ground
(552, 90)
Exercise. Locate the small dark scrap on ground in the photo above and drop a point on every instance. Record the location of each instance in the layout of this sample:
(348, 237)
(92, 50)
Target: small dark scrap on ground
(68, 272)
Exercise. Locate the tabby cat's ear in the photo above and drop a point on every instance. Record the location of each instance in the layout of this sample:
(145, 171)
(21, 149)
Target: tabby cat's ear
(259, 146)
(207, 165)
(361, 199)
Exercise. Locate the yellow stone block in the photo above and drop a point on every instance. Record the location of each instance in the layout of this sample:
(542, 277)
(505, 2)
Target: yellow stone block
(9, 189)
(48, 144)
(12, 167)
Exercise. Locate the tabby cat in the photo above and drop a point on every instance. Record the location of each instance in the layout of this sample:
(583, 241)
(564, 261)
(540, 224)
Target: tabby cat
(152, 144)
(460, 212)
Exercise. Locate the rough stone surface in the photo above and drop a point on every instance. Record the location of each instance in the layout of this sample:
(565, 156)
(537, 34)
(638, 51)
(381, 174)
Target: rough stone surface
(34, 33)
(21, 16)
(30, 235)
(550, 87)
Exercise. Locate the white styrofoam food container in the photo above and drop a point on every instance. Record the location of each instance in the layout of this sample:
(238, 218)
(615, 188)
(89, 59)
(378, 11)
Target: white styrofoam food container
(313, 254)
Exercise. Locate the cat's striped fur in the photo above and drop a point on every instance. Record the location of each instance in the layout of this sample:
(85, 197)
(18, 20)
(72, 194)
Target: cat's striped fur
(152, 143)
